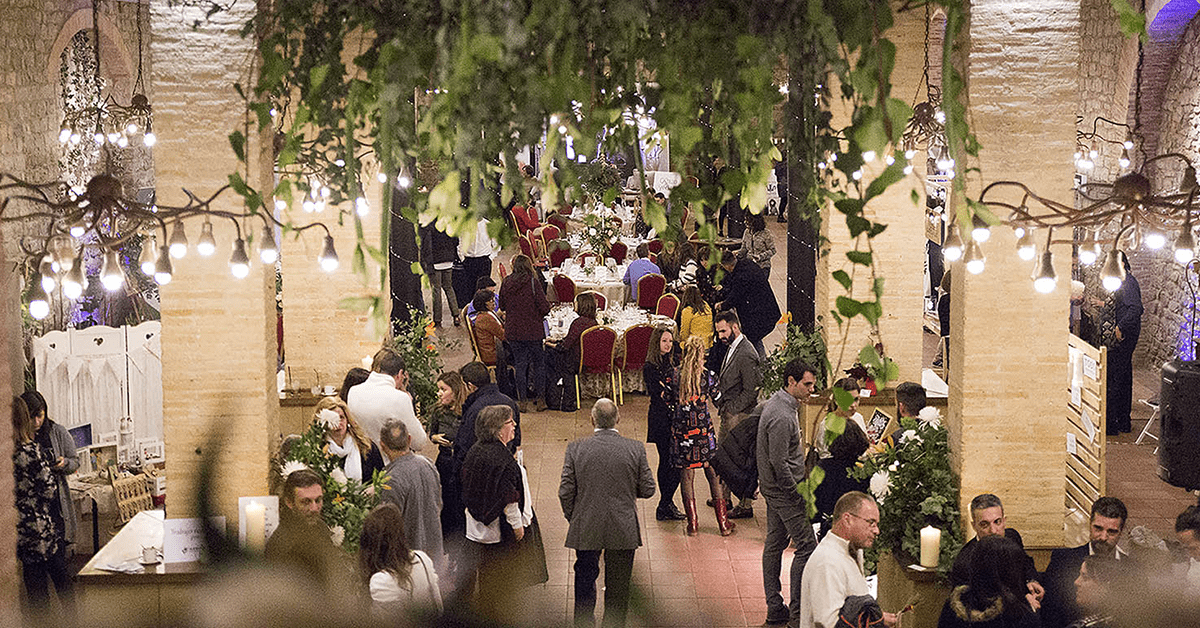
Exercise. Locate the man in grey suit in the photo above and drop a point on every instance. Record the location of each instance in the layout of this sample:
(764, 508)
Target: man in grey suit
(602, 478)
(737, 389)
(416, 488)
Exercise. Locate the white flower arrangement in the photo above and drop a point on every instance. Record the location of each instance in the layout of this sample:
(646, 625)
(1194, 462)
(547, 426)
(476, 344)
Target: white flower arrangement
(930, 416)
(879, 485)
(290, 467)
(339, 476)
(329, 419)
(910, 435)
(338, 534)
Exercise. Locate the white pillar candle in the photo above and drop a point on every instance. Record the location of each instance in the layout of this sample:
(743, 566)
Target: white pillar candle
(931, 546)
(256, 527)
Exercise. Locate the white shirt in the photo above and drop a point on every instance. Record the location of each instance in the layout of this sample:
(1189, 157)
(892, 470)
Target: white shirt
(479, 245)
(729, 354)
(517, 518)
(390, 599)
(831, 575)
(376, 401)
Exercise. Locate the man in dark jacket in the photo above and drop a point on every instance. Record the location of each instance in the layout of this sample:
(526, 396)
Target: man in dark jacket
(746, 290)
(438, 254)
(483, 392)
(1107, 523)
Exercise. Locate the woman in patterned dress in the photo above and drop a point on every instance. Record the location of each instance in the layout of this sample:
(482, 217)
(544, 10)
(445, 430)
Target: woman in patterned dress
(693, 438)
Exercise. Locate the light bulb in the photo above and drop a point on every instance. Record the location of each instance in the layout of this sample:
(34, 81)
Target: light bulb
(267, 251)
(381, 177)
(910, 153)
(1046, 278)
(952, 248)
(179, 242)
(361, 206)
(908, 169)
(39, 301)
(1124, 160)
(1155, 241)
(1185, 244)
(99, 138)
(868, 156)
(113, 137)
(974, 258)
(149, 256)
(46, 271)
(308, 206)
(62, 252)
(889, 160)
(110, 272)
(207, 245)
(163, 269)
(1026, 249)
(280, 205)
(75, 281)
(979, 230)
(239, 262)
(131, 128)
(1094, 152)
(78, 228)
(123, 142)
(1113, 273)
(1088, 255)
(944, 161)
(149, 139)
(328, 258)
(64, 136)
(75, 138)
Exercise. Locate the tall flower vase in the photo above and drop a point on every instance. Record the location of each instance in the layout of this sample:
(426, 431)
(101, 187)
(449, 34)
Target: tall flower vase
(899, 585)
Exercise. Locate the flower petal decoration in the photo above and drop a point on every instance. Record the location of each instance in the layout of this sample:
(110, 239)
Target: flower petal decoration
(880, 485)
(329, 419)
(338, 534)
(339, 476)
(290, 467)
(930, 416)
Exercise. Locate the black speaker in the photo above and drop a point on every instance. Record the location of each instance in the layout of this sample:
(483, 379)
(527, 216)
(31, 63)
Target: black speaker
(1179, 416)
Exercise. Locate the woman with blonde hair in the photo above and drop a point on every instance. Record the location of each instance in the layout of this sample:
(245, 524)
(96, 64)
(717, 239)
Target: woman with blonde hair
(443, 424)
(359, 457)
(693, 438)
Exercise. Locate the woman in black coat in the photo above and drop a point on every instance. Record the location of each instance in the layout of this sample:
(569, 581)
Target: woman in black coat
(996, 594)
(844, 454)
(659, 375)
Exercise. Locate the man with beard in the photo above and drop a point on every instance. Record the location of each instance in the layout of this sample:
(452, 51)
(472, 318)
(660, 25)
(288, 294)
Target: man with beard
(1108, 522)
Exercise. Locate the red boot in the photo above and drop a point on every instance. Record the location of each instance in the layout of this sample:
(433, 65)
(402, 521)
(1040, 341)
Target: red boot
(693, 520)
(723, 523)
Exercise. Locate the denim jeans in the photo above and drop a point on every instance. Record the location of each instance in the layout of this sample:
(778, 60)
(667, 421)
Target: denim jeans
(526, 355)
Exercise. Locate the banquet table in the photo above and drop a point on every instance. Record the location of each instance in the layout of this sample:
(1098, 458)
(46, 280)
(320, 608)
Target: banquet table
(601, 278)
(620, 318)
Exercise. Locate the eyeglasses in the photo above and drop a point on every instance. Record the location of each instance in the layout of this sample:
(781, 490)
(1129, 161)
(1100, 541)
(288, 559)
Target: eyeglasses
(874, 523)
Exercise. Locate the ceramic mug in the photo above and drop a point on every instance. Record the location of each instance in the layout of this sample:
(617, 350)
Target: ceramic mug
(149, 554)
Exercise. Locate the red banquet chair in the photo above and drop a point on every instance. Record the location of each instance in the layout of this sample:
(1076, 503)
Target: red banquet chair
(637, 345)
(618, 251)
(503, 271)
(649, 288)
(668, 305)
(564, 288)
(601, 300)
(559, 252)
(597, 346)
(550, 231)
(558, 220)
(566, 210)
(655, 246)
(524, 219)
(526, 246)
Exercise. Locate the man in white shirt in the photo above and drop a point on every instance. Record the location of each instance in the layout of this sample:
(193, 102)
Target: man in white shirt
(382, 398)
(834, 571)
(476, 252)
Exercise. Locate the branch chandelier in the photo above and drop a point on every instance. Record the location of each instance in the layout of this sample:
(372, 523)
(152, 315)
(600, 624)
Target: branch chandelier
(105, 218)
(1130, 203)
(106, 120)
(927, 126)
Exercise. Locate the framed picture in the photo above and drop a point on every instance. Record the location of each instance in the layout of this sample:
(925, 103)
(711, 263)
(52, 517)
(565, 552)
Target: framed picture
(880, 426)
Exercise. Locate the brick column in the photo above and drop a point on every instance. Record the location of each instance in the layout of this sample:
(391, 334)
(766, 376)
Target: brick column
(899, 251)
(219, 333)
(1008, 343)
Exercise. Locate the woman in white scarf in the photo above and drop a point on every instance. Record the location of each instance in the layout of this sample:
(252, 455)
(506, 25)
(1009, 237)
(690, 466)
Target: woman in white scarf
(344, 439)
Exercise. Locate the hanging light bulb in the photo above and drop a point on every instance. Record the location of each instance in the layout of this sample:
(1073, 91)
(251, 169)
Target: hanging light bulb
(979, 230)
(1026, 248)
(149, 139)
(163, 269)
(974, 258)
(46, 271)
(403, 181)
(952, 248)
(79, 227)
(1154, 240)
(1088, 254)
(39, 301)
(1124, 160)
(64, 136)
(268, 251)
(149, 256)
(328, 258)
(1046, 278)
(382, 177)
(944, 161)
(74, 283)
(868, 156)
(207, 245)
(110, 272)
(1185, 244)
(361, 206)
(1113, 273)
(239, 262)
(178, 243)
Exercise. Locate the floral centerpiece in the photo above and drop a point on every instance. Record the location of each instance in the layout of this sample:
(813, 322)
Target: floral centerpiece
(417, 342)
(808, 346)
(347, 501)
(599, 232)
(915, 487)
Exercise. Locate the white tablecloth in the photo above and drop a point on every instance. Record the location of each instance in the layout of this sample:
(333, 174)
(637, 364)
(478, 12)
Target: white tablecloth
(620, 318)
(602, 279)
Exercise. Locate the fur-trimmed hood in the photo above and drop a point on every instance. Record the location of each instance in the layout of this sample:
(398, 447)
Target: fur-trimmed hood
(970, 615)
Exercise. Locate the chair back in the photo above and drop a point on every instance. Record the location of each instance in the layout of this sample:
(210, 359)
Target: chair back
(564, 288)
(668, 305)
(649, 288)
(653, 257)
(559, 251)
(558, 220)
(637, 345)
(582, 258)
(618, 251)
(550, 231)
(566, 210)
(596, 348)
(601, 300)
(471, 334)
(502, 270)
(526, 246)
(655, 245)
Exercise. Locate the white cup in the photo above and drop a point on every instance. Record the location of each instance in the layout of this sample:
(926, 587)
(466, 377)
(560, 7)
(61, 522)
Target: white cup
(328, 390)
(149, 554)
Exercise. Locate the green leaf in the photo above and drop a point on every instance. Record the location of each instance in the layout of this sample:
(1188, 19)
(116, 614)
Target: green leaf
(877, 287)
(862, 258)
(843, 278)
(237, 142)
(916, 197)
(872, 311)
(868, 356)
(446, 196)
(1132, 21)
(848, 307)
(890, 175)
(316, 77)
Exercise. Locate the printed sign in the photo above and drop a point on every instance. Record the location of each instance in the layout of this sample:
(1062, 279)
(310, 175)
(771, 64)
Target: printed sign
(183, 539)
(1091, 368)
(880, 426)
(1072, 446)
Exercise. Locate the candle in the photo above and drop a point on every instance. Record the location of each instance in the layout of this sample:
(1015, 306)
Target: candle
(256, 527)
(931, 546)
(366, 362)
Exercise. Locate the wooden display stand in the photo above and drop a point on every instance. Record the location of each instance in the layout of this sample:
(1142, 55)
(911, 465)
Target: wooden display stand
(899, 585)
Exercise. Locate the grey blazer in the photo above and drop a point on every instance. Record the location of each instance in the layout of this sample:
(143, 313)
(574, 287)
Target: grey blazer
(738, 382)
(603, 476)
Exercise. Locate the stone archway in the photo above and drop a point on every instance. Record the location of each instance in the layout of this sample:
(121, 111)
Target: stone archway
(116, 64)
